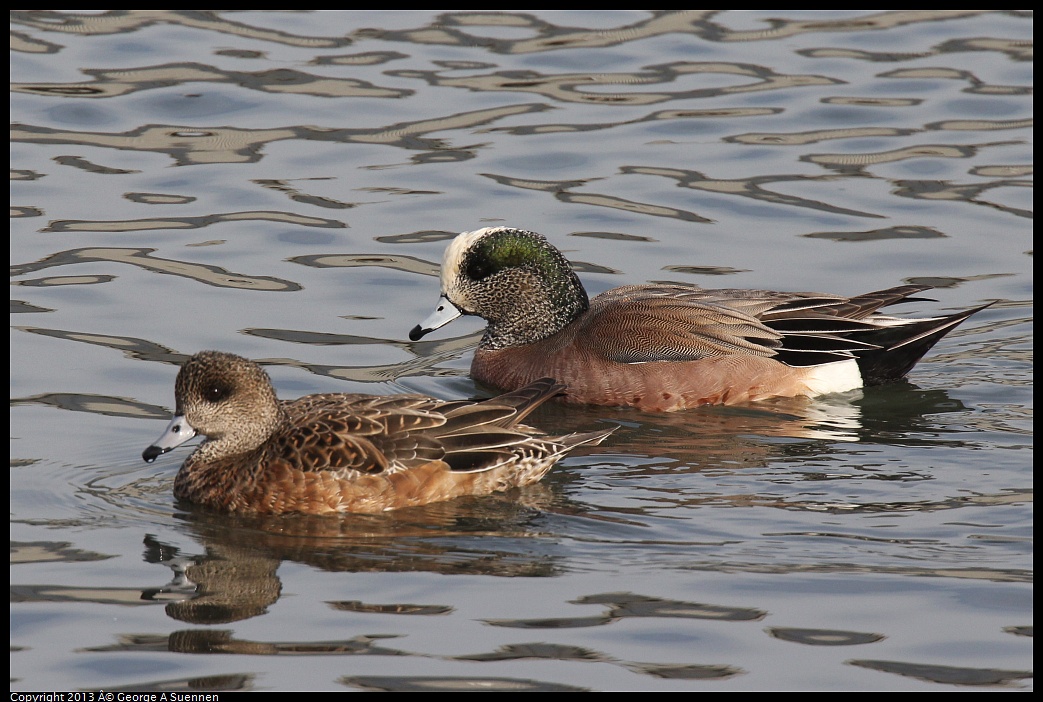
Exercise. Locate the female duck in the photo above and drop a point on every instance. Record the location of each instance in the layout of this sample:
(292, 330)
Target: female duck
(331, 453)
(663, 347)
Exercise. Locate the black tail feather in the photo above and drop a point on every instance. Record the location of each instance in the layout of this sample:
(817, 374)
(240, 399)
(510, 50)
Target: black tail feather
(901, 347)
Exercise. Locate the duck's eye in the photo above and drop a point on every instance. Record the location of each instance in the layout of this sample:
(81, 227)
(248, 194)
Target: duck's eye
(478, 269)
(217, 392)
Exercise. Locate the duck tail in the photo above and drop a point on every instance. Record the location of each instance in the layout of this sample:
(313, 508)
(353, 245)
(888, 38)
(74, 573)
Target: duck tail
(571, 441)
(901, 346)
(528, 398)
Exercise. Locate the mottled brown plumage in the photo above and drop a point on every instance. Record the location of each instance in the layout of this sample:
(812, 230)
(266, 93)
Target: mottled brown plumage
(348, 453)
(664, 347)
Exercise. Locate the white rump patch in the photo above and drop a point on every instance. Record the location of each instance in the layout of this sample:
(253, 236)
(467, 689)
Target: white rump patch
(840, 376)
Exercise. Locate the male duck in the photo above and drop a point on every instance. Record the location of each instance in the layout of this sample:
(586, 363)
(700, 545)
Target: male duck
(662, 347)
(336, 452)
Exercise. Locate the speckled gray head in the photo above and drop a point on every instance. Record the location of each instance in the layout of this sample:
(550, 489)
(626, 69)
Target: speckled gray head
(446, 311)
(514, 279)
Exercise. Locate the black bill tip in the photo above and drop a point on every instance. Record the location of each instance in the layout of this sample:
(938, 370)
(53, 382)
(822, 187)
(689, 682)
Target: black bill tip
(152, 453)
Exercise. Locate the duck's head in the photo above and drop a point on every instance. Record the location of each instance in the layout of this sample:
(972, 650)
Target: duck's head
(513, 279)
(225, 398)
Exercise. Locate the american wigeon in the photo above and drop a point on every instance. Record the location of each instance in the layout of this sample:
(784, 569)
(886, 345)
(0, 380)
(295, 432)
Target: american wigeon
(337, 452)
(663, 347)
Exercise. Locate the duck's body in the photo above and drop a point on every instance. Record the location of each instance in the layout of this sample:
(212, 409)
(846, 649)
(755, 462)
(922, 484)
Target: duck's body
(664, 347)
(333, 453)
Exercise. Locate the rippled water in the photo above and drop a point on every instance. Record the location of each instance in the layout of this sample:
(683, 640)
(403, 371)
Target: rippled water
(282, 185)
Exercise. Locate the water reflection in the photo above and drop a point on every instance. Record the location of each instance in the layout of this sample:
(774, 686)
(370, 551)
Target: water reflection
(194, 146)
(453, 28)
(948, 675)
(237, 579)
(143, 258)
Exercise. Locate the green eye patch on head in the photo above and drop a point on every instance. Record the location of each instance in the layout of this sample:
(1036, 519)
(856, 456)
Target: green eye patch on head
(509, 248)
